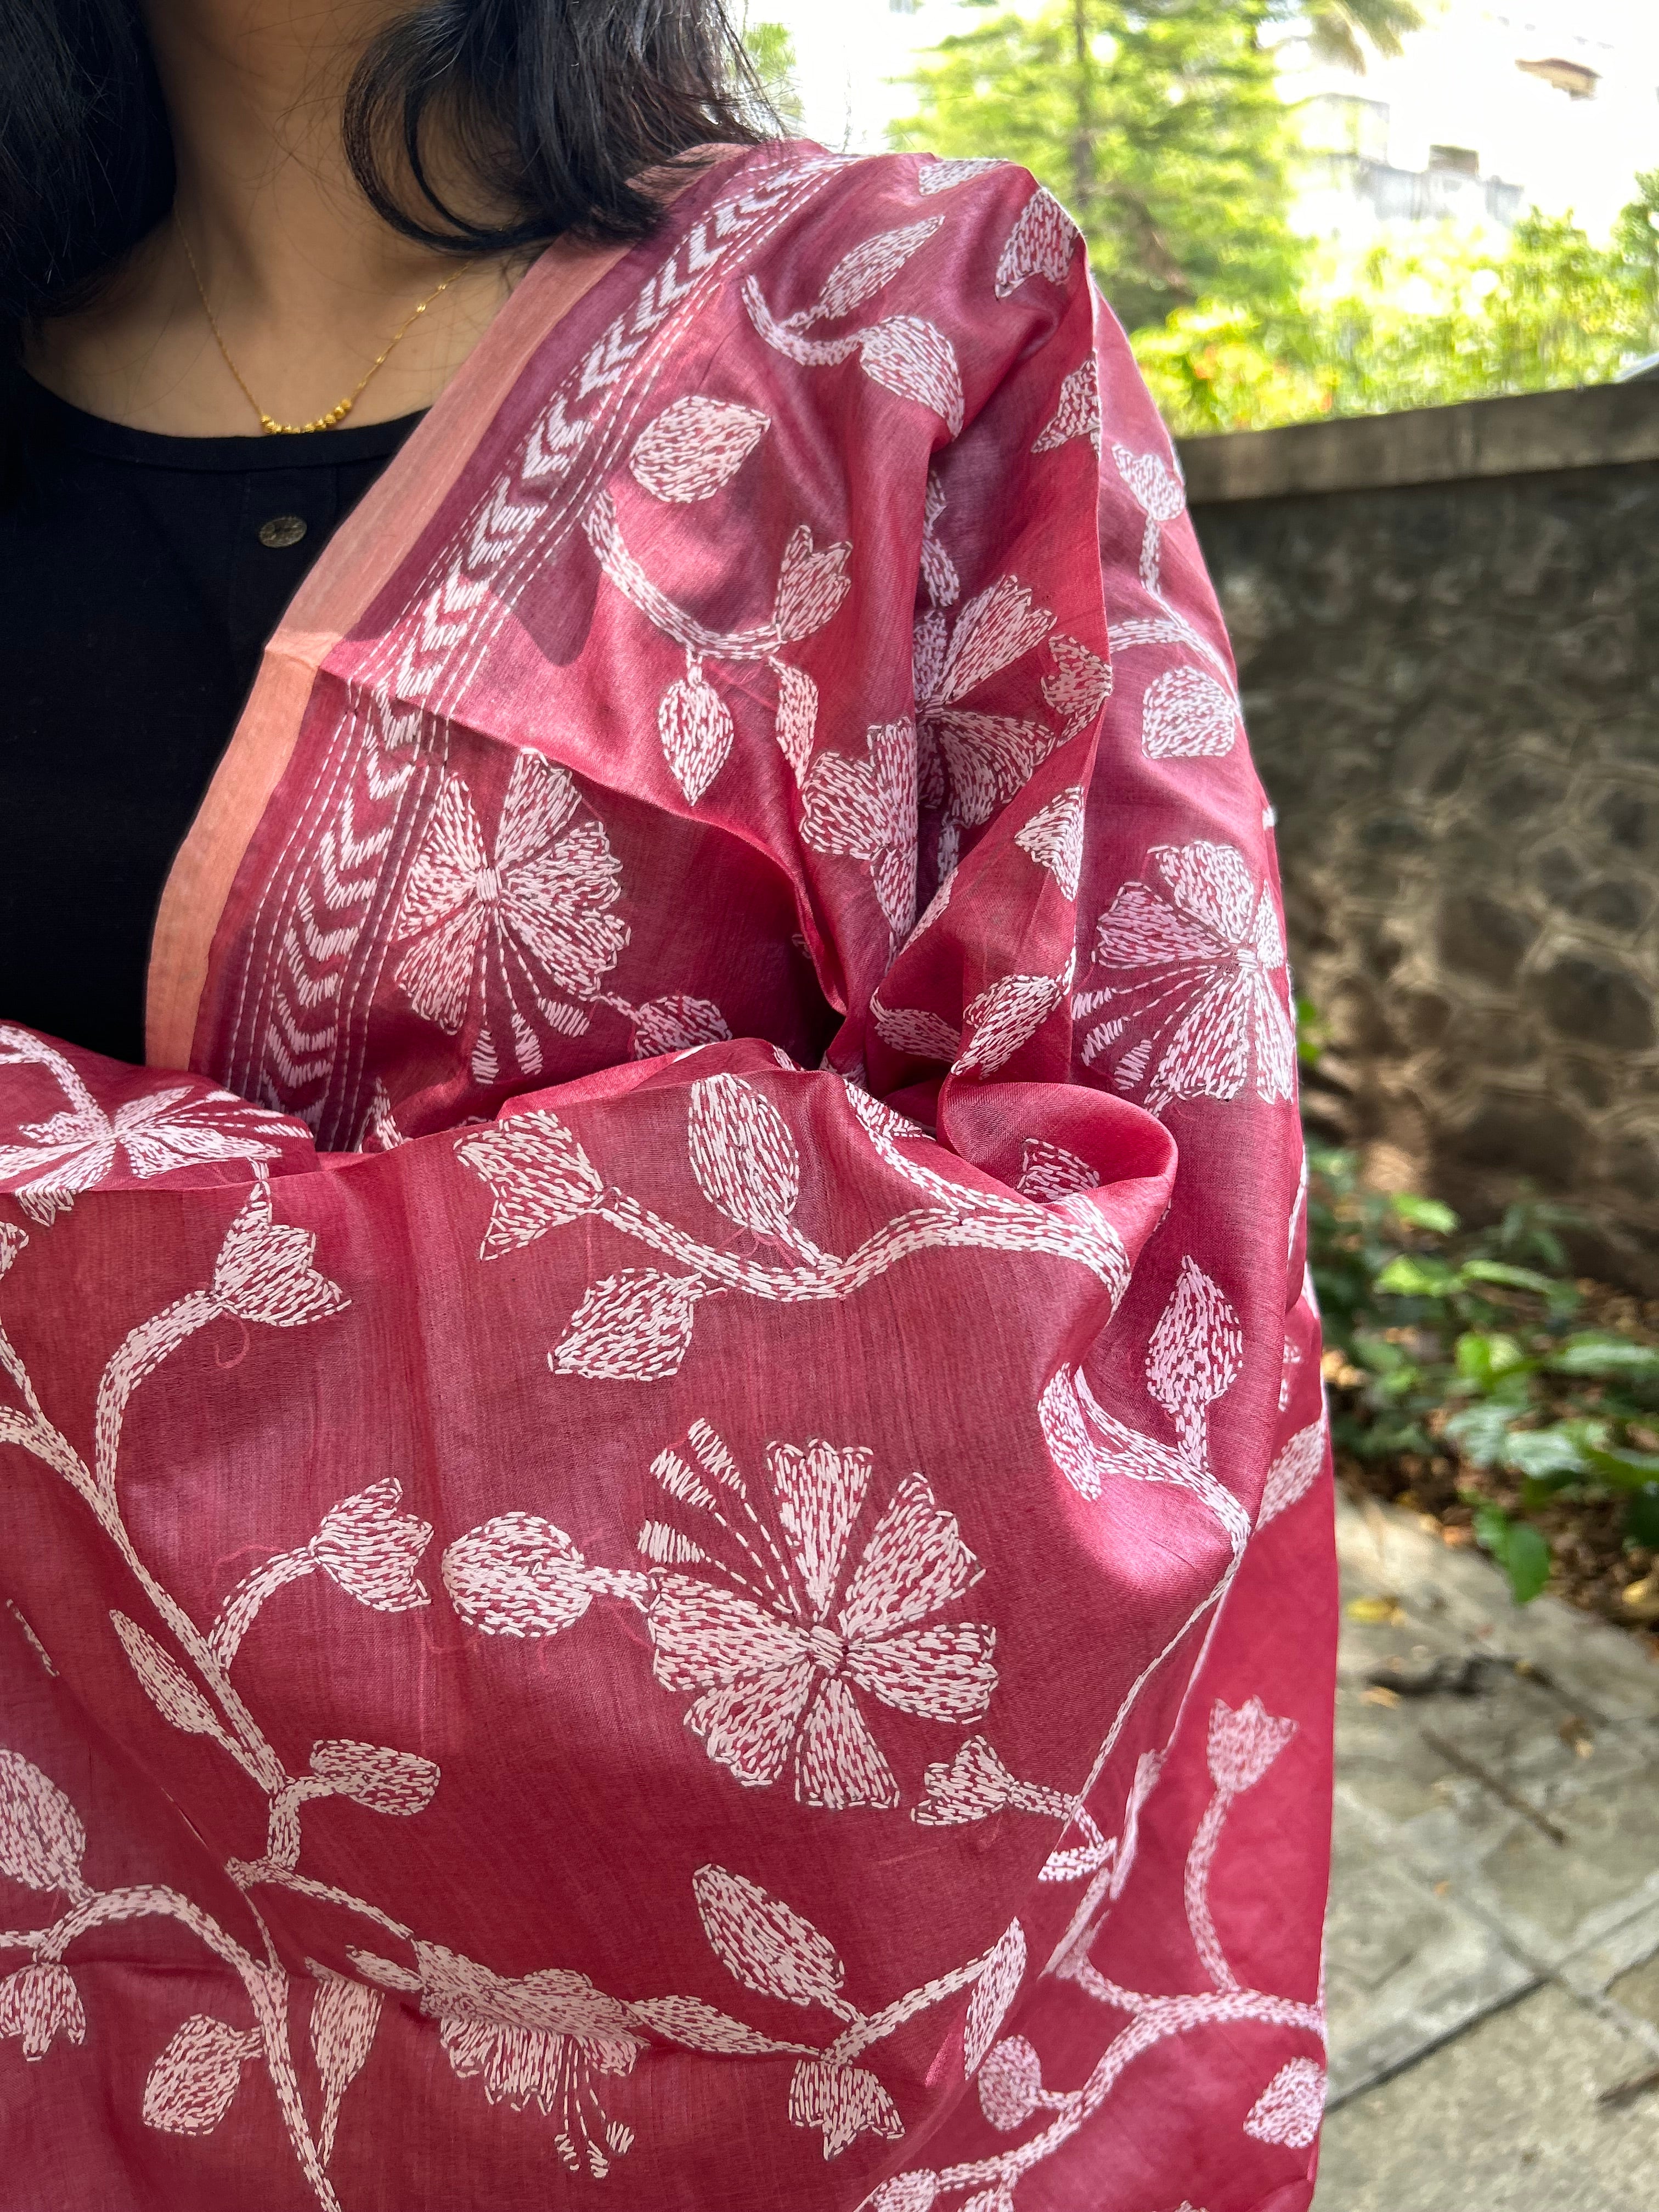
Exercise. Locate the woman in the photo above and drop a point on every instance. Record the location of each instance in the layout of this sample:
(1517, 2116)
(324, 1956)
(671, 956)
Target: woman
(663, 1533)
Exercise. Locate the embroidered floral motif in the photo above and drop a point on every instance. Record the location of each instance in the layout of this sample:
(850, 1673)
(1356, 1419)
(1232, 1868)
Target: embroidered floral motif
(972, 760)
(77, 1148)
(777, 1637)
(539, 2040)
(867, 810)
(37, 2005)
(906, 355)
(532, 919)
(1195, 956)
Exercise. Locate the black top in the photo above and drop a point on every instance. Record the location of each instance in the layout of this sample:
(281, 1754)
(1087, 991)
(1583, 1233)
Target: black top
(140, 576)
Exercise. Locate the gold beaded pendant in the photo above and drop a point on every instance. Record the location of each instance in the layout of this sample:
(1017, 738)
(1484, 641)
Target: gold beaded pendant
(337, 413)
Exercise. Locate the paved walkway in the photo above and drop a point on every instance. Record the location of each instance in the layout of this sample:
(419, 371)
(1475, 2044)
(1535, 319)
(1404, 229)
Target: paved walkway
(1493, 1941)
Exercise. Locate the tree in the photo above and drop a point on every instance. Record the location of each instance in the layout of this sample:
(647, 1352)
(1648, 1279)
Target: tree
(1158, 123)
(1336, 29)
(771, 53)
(1420, 321)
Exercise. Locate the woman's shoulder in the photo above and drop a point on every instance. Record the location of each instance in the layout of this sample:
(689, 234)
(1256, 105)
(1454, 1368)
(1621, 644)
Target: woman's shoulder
(979, 243)
(981, 195)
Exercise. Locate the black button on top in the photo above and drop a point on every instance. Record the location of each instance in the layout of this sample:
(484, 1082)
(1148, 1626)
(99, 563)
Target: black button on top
(280, 530)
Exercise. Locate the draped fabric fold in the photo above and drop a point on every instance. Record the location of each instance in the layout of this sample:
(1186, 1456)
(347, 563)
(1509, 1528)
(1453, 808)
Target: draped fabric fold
(666, 1538)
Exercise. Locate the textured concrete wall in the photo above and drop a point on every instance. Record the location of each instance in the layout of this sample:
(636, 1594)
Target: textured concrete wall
(1453, 692)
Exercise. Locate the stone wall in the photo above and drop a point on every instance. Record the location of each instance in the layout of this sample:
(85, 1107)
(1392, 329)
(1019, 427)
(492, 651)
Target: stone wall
(1447, 626)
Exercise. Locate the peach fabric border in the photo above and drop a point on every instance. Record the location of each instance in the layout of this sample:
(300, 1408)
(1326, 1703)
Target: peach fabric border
(360, 558)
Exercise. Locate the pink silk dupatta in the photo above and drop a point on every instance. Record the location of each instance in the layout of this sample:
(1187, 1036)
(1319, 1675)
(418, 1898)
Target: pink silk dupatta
(664, 1532)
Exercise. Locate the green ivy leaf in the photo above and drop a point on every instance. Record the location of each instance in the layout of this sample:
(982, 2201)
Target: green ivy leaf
(1642, 1516)
(1513, 1278)
(1482, 1432)
(1552, 1455)
(1624, 1470)
(1424, 1213)
(1526, 1561)
(1520, 1550)
(1606, 1358)
(1483, 1361)
(1408, 1276)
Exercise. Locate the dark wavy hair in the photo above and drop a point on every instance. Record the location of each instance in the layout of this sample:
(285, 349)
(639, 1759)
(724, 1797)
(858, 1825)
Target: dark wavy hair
(558, 107)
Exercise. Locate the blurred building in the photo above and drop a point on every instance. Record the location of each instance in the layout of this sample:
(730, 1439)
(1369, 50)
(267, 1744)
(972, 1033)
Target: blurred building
(1348, 188)
(1495, 105)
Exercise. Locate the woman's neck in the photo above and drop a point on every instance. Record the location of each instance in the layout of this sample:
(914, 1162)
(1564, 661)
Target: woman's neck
(305, 281)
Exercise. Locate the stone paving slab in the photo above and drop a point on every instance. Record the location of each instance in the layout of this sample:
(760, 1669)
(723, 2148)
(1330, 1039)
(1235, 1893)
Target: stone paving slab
(1492, 1945)
(1504, 2119)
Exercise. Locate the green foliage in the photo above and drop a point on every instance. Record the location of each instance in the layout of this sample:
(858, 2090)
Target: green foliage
(771, 53)
(1517, 1547)
(1449, 1341)
(1418, 320)
(1335, 28)
(1158, 123)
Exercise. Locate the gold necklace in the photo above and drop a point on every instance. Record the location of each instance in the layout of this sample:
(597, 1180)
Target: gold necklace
(341, 408)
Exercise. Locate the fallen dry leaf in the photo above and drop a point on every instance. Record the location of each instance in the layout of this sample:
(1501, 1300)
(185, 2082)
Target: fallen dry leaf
(1378, 1612)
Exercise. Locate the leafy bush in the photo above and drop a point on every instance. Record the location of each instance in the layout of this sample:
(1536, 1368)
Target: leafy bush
(1469, 1346)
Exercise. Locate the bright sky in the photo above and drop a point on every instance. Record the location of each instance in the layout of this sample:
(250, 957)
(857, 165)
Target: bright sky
(1455, 84)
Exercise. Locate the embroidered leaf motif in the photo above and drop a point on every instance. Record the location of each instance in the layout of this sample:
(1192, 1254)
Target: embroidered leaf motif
(539, 1178)
(862, 273)
(384, 1781)
(700, 2026)
(1294, 1471)
(1049, 1171)
(1000, 1020)
(38, 2003)
(675, 1023)
(1041, 244)
(844, 2101)
(1077, 414)
(914, 358)
(938, 175)
(743, 1155)
(1066, 1433)
(344, 2015)
(192, 2083)
(1289, 2110)
(1011, 2083)
(1196, 1350)
(797, 716)
(165, 1684)
(993, 1992)
(42, 1842)
(695, 445)
(867, 810)
(1053, 838)
(516, 1576)
(1080, 685)
(634, 1326)
(768, 1948)
(1186, 715)
(695, 724)
(916, 1031)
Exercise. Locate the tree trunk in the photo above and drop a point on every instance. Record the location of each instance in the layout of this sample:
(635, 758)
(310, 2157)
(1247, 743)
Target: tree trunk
(1085, 183)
